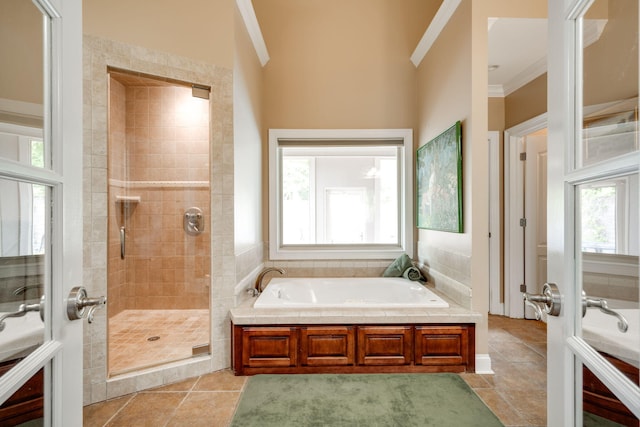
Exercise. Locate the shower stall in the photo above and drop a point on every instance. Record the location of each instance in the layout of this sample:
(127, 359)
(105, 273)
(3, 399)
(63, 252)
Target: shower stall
(159, 250)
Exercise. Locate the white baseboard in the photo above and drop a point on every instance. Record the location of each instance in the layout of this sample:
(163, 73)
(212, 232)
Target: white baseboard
(483, 364)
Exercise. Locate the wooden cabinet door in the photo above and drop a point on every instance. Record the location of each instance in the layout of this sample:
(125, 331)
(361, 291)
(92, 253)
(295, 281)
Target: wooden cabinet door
(269, 346)
(441, 345)
(384, 345)
(327, 346)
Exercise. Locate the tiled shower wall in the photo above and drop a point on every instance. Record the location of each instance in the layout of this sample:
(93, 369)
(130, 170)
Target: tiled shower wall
(166, 158)
(98, 55)
(116, 170)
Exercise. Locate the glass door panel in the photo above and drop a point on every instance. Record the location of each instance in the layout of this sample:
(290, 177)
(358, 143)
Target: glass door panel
(606, 209)
(607, 239)
(610, 82)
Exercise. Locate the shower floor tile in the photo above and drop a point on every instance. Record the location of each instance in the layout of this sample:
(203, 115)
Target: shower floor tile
(143, 338)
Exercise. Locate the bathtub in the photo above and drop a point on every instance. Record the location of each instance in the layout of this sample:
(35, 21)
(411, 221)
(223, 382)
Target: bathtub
(601, 331)
(357, 292)
(21, 335)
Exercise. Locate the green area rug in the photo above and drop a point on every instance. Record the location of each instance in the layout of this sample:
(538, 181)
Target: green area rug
(366, 400)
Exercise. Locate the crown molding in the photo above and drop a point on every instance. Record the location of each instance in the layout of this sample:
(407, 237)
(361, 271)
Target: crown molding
(253, 28)
(533, 71)
(444, 13)
(496, 91)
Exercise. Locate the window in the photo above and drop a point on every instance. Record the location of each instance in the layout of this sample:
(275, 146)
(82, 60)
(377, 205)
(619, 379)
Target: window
(340, 194)
(606, 216)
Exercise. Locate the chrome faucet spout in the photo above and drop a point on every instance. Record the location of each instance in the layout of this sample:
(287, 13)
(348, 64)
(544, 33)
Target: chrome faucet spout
(257, 288)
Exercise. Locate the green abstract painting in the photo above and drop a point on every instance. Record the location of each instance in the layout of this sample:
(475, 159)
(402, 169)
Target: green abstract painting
(439, 182)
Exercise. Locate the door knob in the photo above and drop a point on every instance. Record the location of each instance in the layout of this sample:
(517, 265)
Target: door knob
(550, 300)
(78, 302)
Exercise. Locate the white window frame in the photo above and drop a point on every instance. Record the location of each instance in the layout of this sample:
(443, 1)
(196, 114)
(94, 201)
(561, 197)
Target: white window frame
(341, 252)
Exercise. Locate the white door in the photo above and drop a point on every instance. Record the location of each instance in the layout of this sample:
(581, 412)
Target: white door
(41, 206)
(584, 157)
(535, 214)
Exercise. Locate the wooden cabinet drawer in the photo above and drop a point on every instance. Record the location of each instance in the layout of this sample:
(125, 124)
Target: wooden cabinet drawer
(27, 403)
(384, 345)
(269, 346)
(327, 346)
(439, 345)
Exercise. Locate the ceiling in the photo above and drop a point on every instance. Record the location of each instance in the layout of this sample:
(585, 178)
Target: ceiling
(518, 46)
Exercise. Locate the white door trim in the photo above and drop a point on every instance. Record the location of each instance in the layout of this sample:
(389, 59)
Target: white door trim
(496, 301)
(513, 236)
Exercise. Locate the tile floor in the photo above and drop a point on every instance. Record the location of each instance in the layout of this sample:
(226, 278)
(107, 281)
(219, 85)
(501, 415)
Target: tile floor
(155, 337)
(516, 393)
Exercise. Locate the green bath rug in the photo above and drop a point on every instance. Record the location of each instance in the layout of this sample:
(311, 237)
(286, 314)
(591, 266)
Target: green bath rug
(367, 400)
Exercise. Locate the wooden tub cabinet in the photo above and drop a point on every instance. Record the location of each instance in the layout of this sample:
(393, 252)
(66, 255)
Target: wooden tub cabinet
(599, 400)
(261, 349)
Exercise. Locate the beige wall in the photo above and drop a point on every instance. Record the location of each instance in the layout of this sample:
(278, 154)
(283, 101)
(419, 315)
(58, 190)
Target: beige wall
(21, 77)
(456, 90)
(443, 98)
(611, 64)
(516, 9)
(496, 114)
(197, 29)
(247, 151)
(527, 102)
(337, 64)
(358, 75)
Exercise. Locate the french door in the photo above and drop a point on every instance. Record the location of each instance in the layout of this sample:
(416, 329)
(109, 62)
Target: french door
(40, 209)
(592, 212)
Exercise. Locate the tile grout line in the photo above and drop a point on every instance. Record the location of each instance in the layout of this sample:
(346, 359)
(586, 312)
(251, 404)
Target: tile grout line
(119, 410)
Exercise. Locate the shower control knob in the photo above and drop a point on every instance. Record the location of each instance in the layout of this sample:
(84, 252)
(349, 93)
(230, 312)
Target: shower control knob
(78, 302)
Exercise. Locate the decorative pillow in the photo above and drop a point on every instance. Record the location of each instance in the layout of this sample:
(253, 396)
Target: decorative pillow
(398, 267)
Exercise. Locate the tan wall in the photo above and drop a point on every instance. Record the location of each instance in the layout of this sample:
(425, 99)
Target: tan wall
(496, 113)
(527, 102)
(197, 29)
(337, 64)
(247, 151)
(21, 76)
(611, 64)
(457, 90)
(516, 9)
(444, 96)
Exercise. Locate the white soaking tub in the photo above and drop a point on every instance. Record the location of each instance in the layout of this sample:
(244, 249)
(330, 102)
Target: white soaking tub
(388, 292)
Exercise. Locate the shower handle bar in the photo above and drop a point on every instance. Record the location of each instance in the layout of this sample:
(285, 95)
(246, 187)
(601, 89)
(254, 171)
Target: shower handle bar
(122, 242)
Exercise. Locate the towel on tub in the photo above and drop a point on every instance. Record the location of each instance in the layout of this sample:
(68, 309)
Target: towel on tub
(398, 267)
(412, 273)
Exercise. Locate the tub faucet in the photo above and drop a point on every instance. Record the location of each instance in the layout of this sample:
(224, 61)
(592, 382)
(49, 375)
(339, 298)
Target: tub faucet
(257, 289)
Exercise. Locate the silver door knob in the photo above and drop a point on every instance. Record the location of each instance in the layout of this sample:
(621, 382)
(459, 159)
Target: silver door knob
(550, 299)
(78, 302)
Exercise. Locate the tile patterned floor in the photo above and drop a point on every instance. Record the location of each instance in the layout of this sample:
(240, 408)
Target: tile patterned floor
(177, 331)
(516, 393)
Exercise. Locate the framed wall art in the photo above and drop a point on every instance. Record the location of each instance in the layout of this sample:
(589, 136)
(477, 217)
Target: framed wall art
(439, 182)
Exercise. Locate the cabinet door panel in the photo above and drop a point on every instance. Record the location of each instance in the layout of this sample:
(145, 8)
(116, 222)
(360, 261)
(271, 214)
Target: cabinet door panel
(437, 345)
(384, 345)
(327, 346)
(269, 347)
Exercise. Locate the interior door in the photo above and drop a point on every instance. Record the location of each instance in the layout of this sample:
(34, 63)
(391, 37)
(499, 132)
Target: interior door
(40, 211)
(535, 214)
(592, 183)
